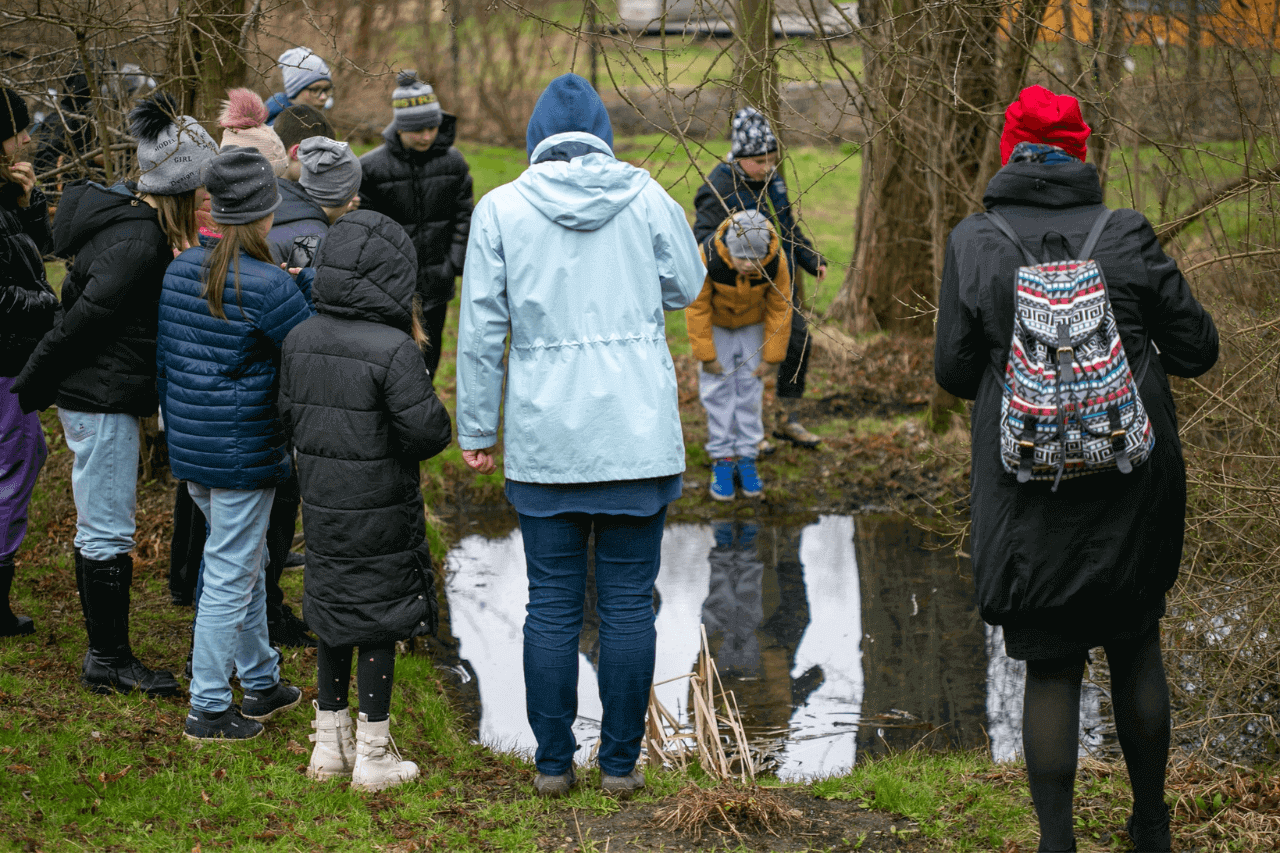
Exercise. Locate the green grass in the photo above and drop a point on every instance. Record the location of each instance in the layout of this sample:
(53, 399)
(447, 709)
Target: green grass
(945, 794)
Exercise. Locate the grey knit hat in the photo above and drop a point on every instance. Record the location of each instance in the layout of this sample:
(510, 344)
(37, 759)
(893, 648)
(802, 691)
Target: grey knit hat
(330, 171)
(300, 67)
(414, 104)
(749, 235)
(242, 187)
(751, 135)
(172, 148)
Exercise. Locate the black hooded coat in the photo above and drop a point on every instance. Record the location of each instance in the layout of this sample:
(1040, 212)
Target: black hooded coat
(1069, 570)
(356, 398)
(430, 194)
(101, 357)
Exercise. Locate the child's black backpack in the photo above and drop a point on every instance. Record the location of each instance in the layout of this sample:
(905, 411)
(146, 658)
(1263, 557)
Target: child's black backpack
(1071, 405)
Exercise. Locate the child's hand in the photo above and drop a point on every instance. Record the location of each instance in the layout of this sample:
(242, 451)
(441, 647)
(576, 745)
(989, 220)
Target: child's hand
(24, 175)
(293, 271)
(480, 460)
(765, 368)
(712, 367)
(822, 272)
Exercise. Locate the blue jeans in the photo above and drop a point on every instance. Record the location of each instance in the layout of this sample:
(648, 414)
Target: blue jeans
(231, 612)
(104, 480)
(627, 556)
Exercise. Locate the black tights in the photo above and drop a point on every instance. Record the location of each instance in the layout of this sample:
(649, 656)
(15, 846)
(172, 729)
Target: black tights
(375, 673)
(1051, 722)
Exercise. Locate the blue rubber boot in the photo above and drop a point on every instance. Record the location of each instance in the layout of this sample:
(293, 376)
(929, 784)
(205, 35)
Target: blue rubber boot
(749, 478)
(722, 479)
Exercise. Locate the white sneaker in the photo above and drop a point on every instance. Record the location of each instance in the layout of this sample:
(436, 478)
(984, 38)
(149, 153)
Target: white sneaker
(335, 752)
(378, 763)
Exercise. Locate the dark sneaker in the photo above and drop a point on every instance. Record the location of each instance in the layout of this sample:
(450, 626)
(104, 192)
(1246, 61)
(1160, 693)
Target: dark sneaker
(294, 560)
(722, 479)
(765, 447)
(622, 786)
(224, 725)
(551, 787)
(749, 478)
(263, 706)
(794, 432)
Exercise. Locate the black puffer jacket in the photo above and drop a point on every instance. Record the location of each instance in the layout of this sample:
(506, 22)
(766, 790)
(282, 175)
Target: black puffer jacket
(1099, 554)
(28, 306)
(102, 356)
(429, 193)
(356, 397)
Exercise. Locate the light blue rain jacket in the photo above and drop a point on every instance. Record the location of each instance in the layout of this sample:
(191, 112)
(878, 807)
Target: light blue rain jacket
(577, 261)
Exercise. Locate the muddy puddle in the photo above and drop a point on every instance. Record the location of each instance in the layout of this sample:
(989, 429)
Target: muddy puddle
(840, 638)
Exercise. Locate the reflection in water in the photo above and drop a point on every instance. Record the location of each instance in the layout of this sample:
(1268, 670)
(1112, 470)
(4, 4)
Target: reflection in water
(840, 638)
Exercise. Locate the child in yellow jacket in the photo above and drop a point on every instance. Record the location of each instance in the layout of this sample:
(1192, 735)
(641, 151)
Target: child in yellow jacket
(738, 328)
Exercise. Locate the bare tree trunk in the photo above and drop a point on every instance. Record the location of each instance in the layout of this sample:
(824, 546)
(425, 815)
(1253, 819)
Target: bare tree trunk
(205, 54)
(757, 73)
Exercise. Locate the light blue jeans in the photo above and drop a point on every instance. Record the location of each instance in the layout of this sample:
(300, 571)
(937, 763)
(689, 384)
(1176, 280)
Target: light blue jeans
(104, 480)
(231, 616)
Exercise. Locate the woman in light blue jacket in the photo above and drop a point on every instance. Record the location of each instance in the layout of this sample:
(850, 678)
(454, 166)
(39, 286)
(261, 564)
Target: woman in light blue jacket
(576, 261)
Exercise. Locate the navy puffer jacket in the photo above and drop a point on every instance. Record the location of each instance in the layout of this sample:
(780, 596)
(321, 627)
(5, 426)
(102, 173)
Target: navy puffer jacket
(357, 401)
(218, 379)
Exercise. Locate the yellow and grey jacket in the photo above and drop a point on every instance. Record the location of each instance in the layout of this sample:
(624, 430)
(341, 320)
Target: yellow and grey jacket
(732, 300)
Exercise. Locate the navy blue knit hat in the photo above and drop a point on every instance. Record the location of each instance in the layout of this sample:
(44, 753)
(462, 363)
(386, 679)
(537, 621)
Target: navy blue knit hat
(567, 104)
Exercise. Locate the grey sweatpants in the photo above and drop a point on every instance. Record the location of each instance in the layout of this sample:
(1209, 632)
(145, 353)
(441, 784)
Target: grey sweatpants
(732, 399)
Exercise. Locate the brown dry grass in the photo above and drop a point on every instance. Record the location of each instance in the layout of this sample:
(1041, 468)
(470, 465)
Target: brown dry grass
(728, 810)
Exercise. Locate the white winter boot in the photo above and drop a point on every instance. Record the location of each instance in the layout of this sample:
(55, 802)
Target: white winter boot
(378, 762)
(335, 751)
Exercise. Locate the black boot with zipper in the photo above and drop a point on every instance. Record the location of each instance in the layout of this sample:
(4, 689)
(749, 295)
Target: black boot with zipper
(11, 624)
(109, 665)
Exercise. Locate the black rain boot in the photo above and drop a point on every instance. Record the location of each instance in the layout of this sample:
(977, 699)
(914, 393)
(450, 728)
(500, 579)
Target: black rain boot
(11, 624)
(109, 665)
(285, 629)
(1151, 837)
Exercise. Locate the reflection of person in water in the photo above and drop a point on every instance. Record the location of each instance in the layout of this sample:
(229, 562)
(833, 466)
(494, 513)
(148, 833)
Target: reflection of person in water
(755, 620)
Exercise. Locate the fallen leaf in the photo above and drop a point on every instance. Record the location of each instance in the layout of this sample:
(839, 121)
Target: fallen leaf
(296, 748)
(21, 768)
(219, 773)
(204, 796)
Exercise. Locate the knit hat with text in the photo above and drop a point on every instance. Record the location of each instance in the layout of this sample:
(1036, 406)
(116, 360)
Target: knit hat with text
(414, 103)
(751, 135)
(172, 148)
(244, 122)
(1040, 116)
(301, 67)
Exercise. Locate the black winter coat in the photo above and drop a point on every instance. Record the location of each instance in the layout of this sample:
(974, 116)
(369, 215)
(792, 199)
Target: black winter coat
(727, 191)
(357, 400)
(429, 193)
(102, 356)
(28, 306)
(1069, 570)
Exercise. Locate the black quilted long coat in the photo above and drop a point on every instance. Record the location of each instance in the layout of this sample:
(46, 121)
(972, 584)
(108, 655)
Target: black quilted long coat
(356, 398)
(1070, 570)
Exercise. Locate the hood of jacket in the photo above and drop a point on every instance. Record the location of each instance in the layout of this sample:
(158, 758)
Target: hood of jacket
(87, 208)
(296, 205)
(367, 269)
(585, 192)
(444, 139)
(1044, 185)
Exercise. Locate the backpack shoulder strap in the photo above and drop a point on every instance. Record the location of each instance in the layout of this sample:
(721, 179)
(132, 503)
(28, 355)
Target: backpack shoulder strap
(1007, 230)
(1091, 242)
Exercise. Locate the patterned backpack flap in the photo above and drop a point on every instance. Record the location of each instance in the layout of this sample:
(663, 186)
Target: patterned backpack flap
(1071, 405)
